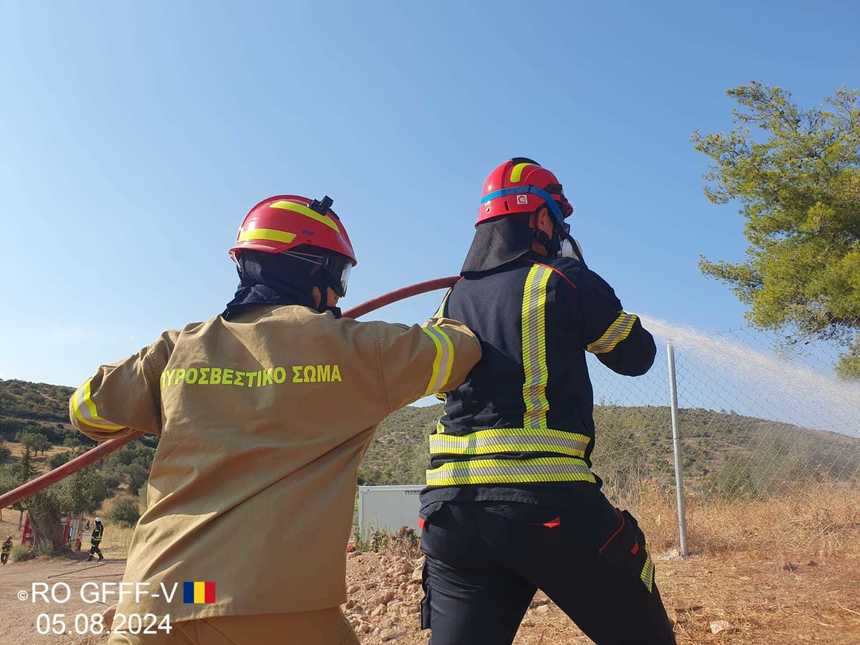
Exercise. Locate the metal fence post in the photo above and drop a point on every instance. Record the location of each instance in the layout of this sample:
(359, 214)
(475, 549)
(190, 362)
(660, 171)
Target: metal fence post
(676, 450)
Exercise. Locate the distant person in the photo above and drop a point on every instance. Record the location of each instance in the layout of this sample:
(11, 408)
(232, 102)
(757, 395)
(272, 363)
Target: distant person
(7, 549)
(511, 504)
(264, 414)
(96, 540)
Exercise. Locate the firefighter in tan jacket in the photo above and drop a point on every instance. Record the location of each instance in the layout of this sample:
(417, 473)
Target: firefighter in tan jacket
(264, 414)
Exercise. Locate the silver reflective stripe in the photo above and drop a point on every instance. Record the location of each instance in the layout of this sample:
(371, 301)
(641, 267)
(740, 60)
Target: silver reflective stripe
(509, 471)
(482, 442)
(443, 362)
(84, 409)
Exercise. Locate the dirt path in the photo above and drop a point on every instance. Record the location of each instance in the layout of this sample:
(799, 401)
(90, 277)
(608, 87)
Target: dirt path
(19, 617)
(784, 600)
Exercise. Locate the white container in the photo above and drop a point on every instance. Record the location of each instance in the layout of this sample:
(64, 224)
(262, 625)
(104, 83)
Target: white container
(388, 508)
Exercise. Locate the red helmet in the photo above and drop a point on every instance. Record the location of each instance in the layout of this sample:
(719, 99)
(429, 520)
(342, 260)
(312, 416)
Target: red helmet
(283, 222)
(521, 185)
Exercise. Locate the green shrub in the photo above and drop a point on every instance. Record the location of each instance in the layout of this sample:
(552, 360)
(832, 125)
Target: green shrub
(404, 542)
(125, 511)
(59, 459)
(137, 476)
(71, 441)
(83, 492)
(112, 478)
(9, 428)
(35, 441)
(21, 552)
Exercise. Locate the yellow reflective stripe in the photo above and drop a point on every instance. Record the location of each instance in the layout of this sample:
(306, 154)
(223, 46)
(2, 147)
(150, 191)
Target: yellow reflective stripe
(498, 440)
(301, 209)
(442, 362)
(434, 376)
(510, 471)
(647, 573)
(534, 347)
(266, 234)
(83, 409)
(448, 364)
(614, 334)
(517, 172)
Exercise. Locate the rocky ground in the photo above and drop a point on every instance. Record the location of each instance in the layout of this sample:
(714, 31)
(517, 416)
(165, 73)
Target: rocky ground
(730, 599)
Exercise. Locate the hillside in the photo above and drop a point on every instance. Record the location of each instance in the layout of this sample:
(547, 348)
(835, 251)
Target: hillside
(35, 436)
(719, 450)
(35, 401)
(722, 452)
(36, 407)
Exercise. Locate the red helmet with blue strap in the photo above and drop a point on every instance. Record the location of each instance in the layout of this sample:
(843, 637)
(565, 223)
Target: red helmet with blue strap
(522, 185)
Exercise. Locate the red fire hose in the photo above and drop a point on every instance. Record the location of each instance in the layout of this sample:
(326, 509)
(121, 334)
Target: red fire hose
(91, 456)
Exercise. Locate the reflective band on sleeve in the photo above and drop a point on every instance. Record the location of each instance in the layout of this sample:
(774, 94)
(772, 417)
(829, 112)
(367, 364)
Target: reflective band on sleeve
(647, 574)
(444, 360)
(510, 471)
(301, 209)
(517, 172)
(519, 440)
(534, 347)
(84, 410)
(614, 334)
(266, 234)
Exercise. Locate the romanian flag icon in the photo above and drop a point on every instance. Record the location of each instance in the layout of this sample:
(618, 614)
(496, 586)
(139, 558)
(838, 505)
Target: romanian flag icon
(198, 592)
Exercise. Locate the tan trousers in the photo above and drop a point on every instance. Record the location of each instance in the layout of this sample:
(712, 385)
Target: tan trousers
(324, 627)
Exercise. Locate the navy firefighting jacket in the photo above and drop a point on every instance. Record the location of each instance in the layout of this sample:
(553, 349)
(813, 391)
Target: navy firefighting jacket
(521, 424)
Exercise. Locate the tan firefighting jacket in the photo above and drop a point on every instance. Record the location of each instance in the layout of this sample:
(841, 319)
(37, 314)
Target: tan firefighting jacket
(263, 421)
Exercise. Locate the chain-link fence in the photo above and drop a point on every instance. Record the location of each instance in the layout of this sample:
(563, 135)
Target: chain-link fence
(756, 419)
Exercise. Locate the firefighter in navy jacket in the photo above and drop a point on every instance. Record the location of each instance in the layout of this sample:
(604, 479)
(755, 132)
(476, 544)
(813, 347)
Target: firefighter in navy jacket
(511, 503)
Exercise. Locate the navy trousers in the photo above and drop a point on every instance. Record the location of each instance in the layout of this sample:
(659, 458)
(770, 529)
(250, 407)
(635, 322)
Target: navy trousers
(484, 562)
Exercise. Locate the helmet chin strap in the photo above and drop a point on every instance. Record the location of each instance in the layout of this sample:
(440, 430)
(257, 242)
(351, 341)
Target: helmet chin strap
(323, 306)
(560, 244)
(551, 244)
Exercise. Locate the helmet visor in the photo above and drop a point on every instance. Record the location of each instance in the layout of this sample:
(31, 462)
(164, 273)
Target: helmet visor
(336, 267)
(341, 282)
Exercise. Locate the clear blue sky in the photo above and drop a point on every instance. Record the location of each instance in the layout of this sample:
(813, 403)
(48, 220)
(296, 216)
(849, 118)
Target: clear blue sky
(135, 136)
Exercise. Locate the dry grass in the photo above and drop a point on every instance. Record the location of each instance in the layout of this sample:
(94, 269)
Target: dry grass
(40, 461)
(816, 519)
(117, 538)
(116, 541)
(781, 570)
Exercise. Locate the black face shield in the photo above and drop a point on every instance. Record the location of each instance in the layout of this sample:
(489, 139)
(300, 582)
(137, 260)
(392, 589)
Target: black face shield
(288, 279)
(497, 243)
